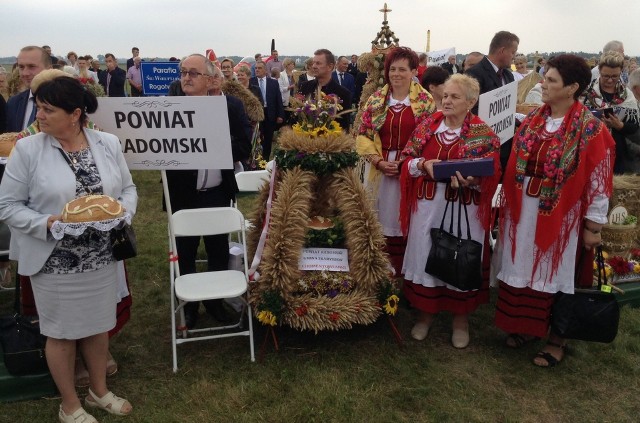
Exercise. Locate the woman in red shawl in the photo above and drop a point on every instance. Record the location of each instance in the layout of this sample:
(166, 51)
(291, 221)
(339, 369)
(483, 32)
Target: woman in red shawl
(555, 198)
(448, 134)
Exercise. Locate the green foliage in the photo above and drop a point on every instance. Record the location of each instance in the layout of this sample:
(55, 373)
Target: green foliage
(326, 238)
(319, 163)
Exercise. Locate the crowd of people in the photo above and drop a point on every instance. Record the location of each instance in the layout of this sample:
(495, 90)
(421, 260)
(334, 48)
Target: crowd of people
(556, 174)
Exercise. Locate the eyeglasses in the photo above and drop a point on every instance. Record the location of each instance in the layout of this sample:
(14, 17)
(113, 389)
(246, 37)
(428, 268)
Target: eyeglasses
(610, 77)
(192, 74)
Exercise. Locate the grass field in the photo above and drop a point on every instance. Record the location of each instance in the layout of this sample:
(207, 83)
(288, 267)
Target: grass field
(358, 375)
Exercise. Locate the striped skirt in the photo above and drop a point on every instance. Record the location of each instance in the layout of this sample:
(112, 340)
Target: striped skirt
(523, 310)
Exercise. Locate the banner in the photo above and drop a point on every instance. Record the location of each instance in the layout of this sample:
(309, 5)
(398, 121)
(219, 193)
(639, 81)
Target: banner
(168, 132)
(438, 57)
(497, 108)
(157, 76)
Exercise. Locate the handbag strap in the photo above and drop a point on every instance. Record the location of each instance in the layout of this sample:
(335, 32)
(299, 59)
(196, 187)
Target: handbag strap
(446, 208)
(602, 274)
(75, 171)
(16, 301)
(462, 204)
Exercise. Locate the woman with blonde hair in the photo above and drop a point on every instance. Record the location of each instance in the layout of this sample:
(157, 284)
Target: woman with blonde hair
(453, 133)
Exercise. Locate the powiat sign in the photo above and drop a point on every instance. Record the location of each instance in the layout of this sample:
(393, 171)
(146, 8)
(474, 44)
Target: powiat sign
(168, 132)
(497, 109)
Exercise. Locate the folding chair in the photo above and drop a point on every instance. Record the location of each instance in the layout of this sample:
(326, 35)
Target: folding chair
(251, 181)
(207, 285)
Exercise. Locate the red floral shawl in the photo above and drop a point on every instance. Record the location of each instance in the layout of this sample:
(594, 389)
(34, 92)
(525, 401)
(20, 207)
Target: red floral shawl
(578, 148)
(478, 140)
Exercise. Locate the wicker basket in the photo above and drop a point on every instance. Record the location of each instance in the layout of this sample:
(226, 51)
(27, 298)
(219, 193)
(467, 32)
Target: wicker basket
(617, 240)
(626, 192)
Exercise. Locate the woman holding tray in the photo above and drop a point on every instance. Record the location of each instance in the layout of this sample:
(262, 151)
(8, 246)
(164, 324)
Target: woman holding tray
(555, 199)
(391, 114)
(74, 280)
(452, 133)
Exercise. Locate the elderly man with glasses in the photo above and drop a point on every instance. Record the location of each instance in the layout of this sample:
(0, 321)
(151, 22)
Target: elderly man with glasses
(190, 189)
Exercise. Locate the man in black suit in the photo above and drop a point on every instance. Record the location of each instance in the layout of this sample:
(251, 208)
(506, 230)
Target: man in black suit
(113, 79)
(273, 108)
(190, 189)
(342, 77)
(135, 52)
(323, 64)
(493, 72)
(21, 108)
(352, 68)
(451, 66)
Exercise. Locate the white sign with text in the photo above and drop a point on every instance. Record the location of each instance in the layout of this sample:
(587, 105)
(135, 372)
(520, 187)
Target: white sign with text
(497, 109)
(168, 133)
(330, 259)
(438, 57)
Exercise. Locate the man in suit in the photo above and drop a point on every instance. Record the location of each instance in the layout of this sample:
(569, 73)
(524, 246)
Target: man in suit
(451, 66)
(21, 108)
(352, 68)
(113, 79)
(135, 52)
(323, 64)
(273, 108)
(342, 77)
(190, 189)
(493, 71)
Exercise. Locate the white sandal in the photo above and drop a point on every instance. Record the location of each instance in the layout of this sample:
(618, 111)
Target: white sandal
(109, 403)
(79, 416)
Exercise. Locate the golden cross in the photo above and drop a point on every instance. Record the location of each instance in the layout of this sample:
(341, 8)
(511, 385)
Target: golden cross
(385, 10)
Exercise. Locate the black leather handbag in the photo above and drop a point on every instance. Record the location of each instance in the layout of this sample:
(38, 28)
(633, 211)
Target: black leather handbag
(454, 259)
(22, 343)
(588, 314)
(123, 243)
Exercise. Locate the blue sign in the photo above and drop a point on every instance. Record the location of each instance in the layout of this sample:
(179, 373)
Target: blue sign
(157, 76)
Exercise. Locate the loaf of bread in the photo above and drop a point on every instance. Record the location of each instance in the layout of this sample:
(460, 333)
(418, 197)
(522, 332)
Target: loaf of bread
(7, 142)
(91, 208)
(319, 223)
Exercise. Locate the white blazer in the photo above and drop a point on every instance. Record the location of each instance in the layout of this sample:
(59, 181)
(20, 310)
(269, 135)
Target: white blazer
(38, 182)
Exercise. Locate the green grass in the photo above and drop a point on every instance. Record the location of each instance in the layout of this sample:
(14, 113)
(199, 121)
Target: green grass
(358, 375)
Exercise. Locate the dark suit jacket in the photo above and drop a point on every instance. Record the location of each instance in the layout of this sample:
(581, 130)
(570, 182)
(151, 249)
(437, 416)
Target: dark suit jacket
(182, 183)
(16, 106)
(348, 81)
(332, 87)
(3, 115)
(449, 68)
(274, 106)
(488, 79)
(116, 84)
(353, 69)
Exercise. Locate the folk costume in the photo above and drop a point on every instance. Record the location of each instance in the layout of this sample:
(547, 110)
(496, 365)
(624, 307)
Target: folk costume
(625, 107)
(387, 125)
(423, 202)
(560, 173)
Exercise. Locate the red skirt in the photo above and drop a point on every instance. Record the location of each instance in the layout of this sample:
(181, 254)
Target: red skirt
(523, 310)
(395, 247)
(437, 299)
(28, 303)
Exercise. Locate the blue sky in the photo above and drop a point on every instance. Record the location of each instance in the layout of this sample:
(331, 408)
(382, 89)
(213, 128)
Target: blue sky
(243, 27)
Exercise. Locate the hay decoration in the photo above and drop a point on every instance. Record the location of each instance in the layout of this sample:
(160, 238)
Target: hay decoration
(252, 105)
(373, 63)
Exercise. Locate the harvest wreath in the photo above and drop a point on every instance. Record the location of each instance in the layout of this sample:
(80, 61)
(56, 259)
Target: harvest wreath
(316, 300)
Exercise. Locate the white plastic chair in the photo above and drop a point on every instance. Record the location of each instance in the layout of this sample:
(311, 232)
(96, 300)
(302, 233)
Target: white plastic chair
(251, 181)
(207, 285)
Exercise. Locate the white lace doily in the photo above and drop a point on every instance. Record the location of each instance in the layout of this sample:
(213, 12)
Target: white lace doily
(60, 229)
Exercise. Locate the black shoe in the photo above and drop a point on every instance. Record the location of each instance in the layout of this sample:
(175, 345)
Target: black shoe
(216, 309)
(191, 315)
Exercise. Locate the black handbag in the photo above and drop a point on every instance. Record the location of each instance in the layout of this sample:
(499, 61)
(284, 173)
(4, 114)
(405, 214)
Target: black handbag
(22, 344)
(453, 259)
(588, 314)
(124, 243)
